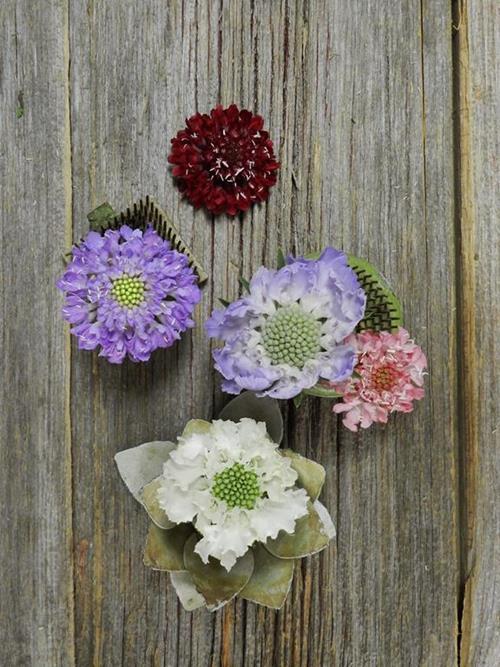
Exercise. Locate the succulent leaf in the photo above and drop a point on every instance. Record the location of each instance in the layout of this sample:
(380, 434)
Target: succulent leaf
(310, 536)
(264, 409)
(270, 581)
(140, 465)
(165, 548)
(196, 426)
(311, 475)
(186, 591)
(214, 582)
(148, 496)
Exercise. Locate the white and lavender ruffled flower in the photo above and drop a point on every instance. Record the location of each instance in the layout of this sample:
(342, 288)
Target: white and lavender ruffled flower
(287, 333)
(127, 292)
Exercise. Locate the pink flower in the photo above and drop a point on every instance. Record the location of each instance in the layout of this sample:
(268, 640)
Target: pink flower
(388, 376)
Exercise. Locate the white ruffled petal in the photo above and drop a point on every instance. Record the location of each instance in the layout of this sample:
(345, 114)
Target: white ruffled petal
(271, 516)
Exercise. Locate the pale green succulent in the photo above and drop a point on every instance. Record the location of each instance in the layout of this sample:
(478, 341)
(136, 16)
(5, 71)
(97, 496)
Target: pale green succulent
(264, 573)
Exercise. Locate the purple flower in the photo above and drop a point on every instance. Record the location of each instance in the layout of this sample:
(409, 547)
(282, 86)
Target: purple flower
(288, 331)
(129, 293)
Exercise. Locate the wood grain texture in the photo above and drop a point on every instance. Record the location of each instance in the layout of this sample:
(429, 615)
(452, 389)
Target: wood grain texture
(358, 98)
(477, 34)
(36, 583)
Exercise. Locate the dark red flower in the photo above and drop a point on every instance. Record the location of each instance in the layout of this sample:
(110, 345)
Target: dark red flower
(224, 161)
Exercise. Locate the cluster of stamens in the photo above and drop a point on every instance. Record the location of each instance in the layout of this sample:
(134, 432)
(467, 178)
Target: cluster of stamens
(291, 337)
(384, 378)
(128, 291)
(237, 486)
(232, 160)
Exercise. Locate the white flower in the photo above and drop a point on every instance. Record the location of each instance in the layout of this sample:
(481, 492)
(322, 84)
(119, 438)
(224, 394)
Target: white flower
(232, 483)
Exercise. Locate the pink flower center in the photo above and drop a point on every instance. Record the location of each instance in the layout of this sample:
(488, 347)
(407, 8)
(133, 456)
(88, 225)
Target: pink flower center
(384, 378)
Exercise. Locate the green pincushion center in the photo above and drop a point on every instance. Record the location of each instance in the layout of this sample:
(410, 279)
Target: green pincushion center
(128, 291)
(291, 337)
(237, 486)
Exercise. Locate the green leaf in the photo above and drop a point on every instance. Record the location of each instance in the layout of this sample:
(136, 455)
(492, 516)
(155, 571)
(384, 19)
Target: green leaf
(321, 391)
(383, 310)
(298, 400)
(101, 217)
(245, 284)
(196, 426)
(281, 260)
(264, 409)
(311, 475)
(214, 582)
(165, 548)
(310, 536)
(271, 579)
(140, 465)
(184, 587)
(224, 302)
(148, 496)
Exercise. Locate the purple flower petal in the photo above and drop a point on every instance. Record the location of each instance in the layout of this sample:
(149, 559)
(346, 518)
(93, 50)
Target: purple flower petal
(157, 316)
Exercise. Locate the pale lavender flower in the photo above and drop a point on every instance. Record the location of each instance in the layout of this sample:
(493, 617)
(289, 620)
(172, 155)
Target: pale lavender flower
(288, 332)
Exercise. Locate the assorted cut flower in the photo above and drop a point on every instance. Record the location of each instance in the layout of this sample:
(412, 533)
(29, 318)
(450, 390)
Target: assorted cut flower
(290, 330)
(127, 292)
(231, 511)
(329, 326)
(388, 376)
(224, 161)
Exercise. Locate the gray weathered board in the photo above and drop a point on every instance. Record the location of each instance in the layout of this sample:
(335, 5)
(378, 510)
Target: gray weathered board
(382, 113)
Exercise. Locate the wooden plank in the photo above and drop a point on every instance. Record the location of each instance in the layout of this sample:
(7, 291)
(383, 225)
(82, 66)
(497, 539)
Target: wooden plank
(36, 586)
(476, 46)
(358, 99)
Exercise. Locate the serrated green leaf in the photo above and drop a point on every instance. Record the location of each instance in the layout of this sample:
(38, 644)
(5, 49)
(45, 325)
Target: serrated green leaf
(214, 582)
(310, 536)
(383, 310)
(271, 579)
(165, 548)
(224, 302)
(264, 409)
(281, 259)
(148, 496)
(311, 475)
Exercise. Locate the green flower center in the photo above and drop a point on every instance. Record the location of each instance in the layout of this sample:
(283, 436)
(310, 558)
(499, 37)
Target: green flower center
(291, 337)
(128, 291)
(238, 486)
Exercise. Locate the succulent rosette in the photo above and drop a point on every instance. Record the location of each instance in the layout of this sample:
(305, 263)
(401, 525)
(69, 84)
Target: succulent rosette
(288, 332)
(231, 512)
(224, 161)
(127, 292)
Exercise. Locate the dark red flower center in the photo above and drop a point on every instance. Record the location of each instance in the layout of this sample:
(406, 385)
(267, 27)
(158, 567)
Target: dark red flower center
(230, 159)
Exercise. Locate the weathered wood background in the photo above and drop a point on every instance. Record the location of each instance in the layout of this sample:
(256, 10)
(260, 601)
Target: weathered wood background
(383, 116)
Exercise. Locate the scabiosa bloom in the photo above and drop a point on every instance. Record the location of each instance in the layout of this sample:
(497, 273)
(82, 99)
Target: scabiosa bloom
(289, 330)
(388, 377)
(128, 292)
(224, 161)
(232, 483)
